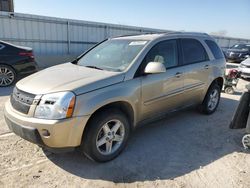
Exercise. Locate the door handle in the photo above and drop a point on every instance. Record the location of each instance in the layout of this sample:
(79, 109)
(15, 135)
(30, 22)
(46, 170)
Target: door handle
(206, 66)
(178, 74)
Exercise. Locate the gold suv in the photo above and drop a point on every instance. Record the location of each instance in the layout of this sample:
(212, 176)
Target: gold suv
(94, 102)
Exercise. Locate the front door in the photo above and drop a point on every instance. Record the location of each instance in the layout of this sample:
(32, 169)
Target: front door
(162, 92)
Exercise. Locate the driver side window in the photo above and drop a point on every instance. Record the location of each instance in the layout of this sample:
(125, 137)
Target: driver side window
(164, 52)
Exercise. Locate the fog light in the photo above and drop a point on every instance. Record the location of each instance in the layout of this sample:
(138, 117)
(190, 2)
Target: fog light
(45, 133)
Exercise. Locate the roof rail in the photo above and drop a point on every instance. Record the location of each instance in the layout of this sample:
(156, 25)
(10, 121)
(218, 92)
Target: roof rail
(162, 32)
(135, 34)
(193, 33)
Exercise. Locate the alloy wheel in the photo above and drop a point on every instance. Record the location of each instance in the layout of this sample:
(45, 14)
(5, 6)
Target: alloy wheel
(213, 100)
(246, 141)
(110, 137)
(7, 76)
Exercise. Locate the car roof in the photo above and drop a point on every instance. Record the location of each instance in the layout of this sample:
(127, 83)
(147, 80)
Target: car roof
(152, 36)
(15, 46)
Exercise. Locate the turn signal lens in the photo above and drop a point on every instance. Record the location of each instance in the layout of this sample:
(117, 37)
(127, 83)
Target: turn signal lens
(71, 107)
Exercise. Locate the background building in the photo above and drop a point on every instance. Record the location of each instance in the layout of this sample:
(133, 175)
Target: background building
(58, 40)
(7, 5)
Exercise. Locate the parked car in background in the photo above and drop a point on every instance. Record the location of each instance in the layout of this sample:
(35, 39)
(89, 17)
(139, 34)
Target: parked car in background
(15, 62)
(244, 68)
(97, 100)
(238, 53)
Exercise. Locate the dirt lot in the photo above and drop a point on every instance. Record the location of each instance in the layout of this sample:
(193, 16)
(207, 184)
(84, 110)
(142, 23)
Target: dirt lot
(186, 149)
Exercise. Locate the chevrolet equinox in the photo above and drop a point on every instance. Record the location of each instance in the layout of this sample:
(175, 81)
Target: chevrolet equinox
(94, 102)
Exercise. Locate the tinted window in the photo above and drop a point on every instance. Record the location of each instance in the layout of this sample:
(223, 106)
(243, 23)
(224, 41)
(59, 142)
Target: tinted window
(193, 51)
(214, 49)
(164, 52)
(1, 46)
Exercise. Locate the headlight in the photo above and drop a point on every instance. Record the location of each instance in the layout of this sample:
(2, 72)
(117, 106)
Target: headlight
(55, 106)
(243, 66)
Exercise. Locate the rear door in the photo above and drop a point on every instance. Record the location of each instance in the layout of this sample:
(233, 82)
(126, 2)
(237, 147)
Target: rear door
(2, 54)
(162, 92)
(197, 68)
(8, 54)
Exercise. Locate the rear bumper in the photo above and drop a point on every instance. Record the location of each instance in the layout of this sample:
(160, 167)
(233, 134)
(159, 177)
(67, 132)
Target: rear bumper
(63, 134)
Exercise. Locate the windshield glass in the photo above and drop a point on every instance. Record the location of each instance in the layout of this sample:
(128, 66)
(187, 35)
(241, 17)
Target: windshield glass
(113, 55)
(241, 46)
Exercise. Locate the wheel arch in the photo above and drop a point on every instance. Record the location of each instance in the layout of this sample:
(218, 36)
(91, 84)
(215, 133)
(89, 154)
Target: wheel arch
(219, 81)
(123, 106)
(5, 64)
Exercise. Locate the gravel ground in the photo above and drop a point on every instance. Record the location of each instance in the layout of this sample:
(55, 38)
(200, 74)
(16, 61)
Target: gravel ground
(186, 149)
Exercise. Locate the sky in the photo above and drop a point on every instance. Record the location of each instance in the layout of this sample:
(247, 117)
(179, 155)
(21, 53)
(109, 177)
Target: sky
(223, 17)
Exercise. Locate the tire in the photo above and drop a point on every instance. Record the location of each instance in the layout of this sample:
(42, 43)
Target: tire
(97, 132)
(208, 106)
(241, 113)
(229, 90)
(246, 141)
(7, 76)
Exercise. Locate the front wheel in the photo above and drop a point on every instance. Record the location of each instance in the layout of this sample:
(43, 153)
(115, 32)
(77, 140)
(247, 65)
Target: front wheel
(106, 135)
(212, 99)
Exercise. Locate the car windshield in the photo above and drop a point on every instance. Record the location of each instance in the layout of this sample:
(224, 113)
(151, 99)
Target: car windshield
(241, 46)
(112, 55)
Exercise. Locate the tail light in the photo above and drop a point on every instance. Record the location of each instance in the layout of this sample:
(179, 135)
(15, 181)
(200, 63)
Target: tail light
(27, 54)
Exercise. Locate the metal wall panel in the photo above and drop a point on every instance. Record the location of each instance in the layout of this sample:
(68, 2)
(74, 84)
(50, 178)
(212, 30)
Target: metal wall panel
(56, 36)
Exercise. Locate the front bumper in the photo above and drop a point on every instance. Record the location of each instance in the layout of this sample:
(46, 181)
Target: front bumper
(66, 133)
(235, 59)
(27, 133)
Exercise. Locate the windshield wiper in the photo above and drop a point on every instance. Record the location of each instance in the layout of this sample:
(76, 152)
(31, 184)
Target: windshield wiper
(94, 67)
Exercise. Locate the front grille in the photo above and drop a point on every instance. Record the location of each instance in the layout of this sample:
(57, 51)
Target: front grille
(21, 101)
(244, 66)
(234, 55)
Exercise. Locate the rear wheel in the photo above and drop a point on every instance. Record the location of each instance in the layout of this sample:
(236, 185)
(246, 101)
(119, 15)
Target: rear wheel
(7, 76)
(246, 141)
(106, 135)
(212, 99)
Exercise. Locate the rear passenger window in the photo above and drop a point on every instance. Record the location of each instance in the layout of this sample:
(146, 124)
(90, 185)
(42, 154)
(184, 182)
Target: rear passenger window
(193, 51)
(214, 49)
(164, 52)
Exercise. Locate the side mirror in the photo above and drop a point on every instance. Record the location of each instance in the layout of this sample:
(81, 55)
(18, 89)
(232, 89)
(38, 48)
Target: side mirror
(154, 68)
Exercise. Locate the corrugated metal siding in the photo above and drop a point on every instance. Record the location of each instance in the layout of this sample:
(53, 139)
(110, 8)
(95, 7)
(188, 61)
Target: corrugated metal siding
(57, 36)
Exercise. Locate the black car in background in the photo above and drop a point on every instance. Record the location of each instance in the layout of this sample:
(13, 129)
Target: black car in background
(15, 62)
(238, 53)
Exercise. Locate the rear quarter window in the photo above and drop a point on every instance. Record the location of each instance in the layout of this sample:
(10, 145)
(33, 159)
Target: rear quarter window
(1, 46)
(215, 49)
(193, 51)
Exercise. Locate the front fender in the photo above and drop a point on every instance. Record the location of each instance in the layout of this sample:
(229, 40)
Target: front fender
(127, 91)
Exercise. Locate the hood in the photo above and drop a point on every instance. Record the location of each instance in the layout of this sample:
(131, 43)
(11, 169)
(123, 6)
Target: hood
(237, 50)
(68, 77)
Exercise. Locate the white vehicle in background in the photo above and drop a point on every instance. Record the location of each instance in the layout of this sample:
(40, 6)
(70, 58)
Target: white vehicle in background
(244, 68)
